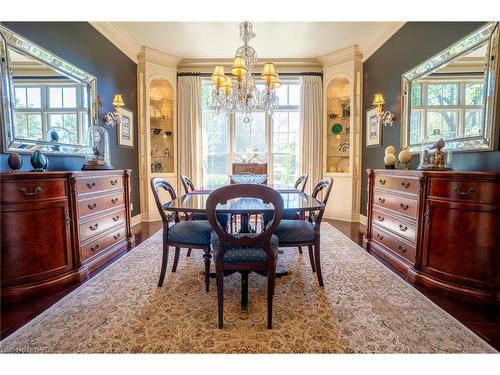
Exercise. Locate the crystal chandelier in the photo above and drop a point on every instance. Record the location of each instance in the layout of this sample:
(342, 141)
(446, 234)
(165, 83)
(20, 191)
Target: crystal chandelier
(241, 94)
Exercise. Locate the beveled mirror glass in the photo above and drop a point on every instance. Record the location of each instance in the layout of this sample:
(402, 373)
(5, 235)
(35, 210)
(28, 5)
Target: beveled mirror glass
(454, 94)
(47, 103)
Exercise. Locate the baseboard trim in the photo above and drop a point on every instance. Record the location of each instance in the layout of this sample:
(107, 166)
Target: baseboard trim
(343, 217)
(363, 219)
(137, 219)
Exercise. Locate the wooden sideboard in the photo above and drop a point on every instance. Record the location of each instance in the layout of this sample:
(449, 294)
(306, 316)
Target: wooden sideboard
(441, 229)
(56, 227)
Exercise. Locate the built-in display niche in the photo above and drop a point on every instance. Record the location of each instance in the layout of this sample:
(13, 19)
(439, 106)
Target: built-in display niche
(161, 112)
(338, 125)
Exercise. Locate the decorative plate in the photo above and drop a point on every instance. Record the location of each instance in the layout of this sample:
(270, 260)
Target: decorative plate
(336, 128)
(344, 148)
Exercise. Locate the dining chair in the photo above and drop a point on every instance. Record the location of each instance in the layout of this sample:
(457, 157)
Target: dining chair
(301, 182)
(188, 188)
(245, 252)
(187, 234)
(233, 218)
(295, 233)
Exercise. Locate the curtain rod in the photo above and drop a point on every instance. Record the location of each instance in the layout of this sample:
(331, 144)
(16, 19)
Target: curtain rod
(187, 74)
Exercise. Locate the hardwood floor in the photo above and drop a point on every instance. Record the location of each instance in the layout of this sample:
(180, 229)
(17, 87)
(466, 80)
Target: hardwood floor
(483, 320)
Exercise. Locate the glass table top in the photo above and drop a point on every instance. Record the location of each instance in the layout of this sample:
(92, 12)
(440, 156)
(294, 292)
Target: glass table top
(294, 200)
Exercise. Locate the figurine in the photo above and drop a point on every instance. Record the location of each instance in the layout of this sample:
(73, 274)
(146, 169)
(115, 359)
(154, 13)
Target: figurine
(439, 158)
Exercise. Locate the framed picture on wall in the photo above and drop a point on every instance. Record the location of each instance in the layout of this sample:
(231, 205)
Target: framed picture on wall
(373, 128)
(125, 131)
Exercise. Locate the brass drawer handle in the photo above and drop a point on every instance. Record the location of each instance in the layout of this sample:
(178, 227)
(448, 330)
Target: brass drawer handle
(403, 228)
(94, 248)
(405, 185)
(34, 192)
(382, 182)
(381, 218)
(404, 206)
(459, 192)
(116, 218)
(114, 182)
(381, 200)
(91, 185)
(114, 200)
(116, 236)
(94, 227)
(380, 237)
(92, 206)
(402, 249)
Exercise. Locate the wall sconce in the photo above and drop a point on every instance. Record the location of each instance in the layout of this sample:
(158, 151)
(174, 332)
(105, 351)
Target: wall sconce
(387, 118)
(114, 118)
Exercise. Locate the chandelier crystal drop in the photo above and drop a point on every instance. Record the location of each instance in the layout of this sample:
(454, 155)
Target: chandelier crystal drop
(238, 92)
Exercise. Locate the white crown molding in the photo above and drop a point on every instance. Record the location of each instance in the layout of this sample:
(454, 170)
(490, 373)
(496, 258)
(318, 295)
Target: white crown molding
(380, 37)
(284, 63)
(351, 53)
(125, 44)
(155, 56)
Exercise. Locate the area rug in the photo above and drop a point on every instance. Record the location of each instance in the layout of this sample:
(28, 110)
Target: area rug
(363, 308)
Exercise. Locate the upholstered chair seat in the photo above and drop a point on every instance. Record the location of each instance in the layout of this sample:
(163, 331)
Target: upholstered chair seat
(193, 232)
(238, 254)
(294, 231)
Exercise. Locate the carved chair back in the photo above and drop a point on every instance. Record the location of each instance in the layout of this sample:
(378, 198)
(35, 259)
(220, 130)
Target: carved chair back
(157, 184)
(187, 184)
(326, 185)
(301, 182)
(230, 192)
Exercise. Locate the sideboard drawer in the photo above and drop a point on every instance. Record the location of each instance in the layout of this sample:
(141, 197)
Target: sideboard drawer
(400, 205)
(96, 246)
(96, 184)
(21, 191)
(470, 190)
(97, 204)
(394, 243)
(395, 224)
(95, 226)
(406, 185)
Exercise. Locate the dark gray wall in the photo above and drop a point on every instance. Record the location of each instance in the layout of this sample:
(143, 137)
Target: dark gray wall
(83, 46)
(414, 43)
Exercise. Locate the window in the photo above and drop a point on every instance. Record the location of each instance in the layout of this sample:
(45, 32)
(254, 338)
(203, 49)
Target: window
(226, 139)
(452, 107)
(44, 105)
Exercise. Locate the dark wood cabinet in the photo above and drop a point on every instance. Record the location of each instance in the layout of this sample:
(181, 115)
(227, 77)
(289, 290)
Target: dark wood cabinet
(442, 230)
(56, 227)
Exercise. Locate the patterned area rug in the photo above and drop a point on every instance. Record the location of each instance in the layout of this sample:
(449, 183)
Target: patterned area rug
(363, 308)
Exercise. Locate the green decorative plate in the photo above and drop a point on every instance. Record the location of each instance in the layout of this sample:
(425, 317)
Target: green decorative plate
(336, 128)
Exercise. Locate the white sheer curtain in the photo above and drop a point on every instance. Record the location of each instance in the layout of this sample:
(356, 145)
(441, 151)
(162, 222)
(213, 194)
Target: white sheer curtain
(189, 128)
(312, 129)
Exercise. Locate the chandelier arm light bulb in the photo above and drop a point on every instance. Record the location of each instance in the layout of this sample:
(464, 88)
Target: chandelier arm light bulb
(241, 94)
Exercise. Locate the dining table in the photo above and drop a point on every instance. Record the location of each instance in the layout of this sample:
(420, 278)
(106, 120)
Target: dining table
(293, 201)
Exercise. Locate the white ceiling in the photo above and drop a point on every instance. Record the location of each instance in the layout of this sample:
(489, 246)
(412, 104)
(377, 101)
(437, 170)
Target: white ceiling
(198, 40)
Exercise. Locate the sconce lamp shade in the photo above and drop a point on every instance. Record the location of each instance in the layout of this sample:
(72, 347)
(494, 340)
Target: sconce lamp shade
(378, 100)
(269, 73)
(218, 76)
(239, 68)
(118, 101)
(226, 86)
